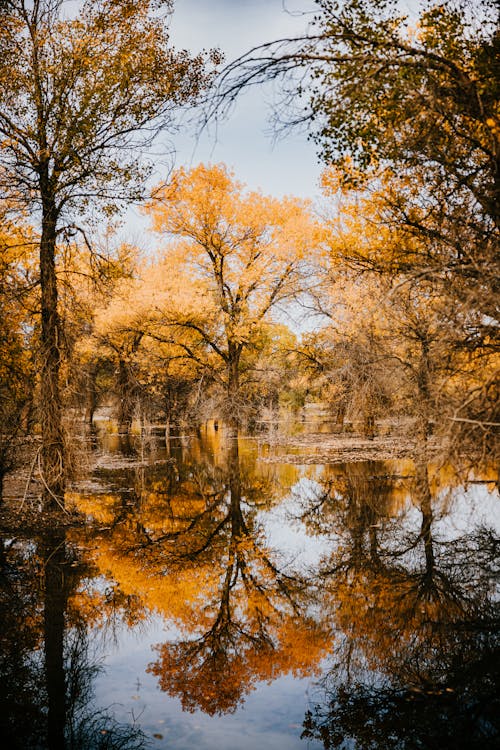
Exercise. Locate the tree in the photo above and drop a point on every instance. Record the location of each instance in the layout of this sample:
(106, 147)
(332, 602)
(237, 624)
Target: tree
(246, 252)
(412, 106)
(389, 348)
(148, 372)
(421, 100)
(86, 281)
(345, 361)
(438, 332)
(80, 99)
(381, 90)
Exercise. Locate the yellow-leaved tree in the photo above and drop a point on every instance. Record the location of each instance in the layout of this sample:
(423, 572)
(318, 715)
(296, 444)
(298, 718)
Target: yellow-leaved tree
(246, 253)
(81, 99)
(436, 332)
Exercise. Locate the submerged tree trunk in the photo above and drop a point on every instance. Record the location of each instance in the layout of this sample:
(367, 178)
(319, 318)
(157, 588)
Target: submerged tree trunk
(52, 451)
(126, 398)
(90, 395)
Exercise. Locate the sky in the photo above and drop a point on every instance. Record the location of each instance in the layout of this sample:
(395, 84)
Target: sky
(245, 140)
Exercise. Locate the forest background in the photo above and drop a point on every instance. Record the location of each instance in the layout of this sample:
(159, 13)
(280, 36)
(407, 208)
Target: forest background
(399, 263)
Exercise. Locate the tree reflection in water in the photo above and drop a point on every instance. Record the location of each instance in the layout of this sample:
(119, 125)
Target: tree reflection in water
(401, 610)
(192, 548)
(46, 665)
(256, 624)
(417, 661)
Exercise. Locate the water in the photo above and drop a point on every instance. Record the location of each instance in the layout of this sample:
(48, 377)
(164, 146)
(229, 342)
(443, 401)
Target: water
(214, 602)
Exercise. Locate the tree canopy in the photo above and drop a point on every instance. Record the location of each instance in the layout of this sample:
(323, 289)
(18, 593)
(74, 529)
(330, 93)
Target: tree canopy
(244, 253)
(80, 100)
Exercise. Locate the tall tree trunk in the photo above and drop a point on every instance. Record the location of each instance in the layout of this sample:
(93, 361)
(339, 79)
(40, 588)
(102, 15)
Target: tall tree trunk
(52, 453)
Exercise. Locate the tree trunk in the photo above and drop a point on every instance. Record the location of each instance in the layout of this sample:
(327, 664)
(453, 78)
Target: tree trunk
(126, 398)
(424, 427)
(340, 416)
(52, 452)
(233, 387)
(90, 395)
(369, 425)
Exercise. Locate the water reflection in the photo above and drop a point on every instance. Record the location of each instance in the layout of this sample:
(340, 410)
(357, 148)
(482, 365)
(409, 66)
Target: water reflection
(255, 623)
(416, 607)
(188, 543)
(46, 663)
(397, 618)
(22, 683)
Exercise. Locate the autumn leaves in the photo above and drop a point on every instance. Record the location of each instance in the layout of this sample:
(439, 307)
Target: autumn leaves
(227, 259)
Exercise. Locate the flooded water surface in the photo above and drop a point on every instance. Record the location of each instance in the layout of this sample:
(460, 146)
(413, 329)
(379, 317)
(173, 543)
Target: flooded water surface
(215, 601)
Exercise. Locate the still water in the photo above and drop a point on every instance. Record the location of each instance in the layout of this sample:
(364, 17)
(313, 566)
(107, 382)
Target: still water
(214, 601)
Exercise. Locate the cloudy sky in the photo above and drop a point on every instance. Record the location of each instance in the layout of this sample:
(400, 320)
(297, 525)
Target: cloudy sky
(244, 141)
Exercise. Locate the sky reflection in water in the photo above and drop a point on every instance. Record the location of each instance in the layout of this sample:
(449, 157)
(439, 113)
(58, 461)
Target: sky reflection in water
(342, 603)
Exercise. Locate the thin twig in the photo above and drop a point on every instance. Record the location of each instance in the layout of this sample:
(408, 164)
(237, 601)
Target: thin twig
(30, 477)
